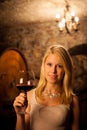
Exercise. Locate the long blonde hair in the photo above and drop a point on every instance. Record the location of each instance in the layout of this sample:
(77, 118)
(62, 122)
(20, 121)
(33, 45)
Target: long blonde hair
(67, 79)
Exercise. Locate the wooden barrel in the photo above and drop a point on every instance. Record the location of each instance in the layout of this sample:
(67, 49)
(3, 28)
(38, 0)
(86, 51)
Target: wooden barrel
(11, 62)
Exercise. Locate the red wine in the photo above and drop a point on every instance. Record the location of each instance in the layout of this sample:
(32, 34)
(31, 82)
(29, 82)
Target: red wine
(25, 87)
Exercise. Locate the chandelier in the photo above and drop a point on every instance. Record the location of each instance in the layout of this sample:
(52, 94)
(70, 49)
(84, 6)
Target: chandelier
(69, 21)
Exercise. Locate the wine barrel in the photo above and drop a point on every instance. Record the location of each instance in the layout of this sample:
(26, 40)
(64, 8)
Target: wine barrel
(12, 61)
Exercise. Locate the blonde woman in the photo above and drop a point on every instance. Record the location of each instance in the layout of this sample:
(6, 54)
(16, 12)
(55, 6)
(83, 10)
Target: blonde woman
(52, 105)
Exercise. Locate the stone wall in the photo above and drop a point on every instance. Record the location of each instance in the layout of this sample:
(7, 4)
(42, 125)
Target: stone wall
(32, 32)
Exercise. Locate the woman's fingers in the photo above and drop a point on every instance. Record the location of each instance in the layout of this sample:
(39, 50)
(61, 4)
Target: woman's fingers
(20, 100)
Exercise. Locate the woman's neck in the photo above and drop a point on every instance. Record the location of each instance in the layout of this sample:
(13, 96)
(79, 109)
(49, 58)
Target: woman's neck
(53, 87)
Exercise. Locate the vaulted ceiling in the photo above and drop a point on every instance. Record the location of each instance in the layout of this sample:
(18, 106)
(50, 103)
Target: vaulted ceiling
(37, 10)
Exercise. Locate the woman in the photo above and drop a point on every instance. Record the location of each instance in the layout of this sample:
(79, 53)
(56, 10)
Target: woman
(52, 105)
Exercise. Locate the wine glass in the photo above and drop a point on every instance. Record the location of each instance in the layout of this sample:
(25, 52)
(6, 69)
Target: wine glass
(25, 82)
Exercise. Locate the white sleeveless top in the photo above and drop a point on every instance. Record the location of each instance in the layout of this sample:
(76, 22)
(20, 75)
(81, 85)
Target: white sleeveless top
(48, 118)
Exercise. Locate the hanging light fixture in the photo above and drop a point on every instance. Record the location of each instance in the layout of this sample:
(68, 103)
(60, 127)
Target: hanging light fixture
(69, 21)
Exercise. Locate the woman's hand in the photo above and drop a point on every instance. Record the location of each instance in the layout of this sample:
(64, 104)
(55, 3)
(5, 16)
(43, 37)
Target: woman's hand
(19, 103)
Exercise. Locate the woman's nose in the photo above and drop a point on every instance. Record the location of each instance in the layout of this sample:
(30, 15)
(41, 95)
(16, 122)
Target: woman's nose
(54, 69)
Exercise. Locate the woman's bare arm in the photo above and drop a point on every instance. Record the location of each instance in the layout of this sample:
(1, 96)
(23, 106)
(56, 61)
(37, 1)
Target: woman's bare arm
(76, 114)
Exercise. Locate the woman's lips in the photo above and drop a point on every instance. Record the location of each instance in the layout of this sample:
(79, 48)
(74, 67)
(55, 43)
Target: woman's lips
(53, 76)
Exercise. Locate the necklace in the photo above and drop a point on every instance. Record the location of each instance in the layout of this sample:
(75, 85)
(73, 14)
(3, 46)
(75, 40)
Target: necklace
(51, 95)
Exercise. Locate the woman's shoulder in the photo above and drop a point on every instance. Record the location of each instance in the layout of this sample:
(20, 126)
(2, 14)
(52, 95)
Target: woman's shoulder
(31, 91)
(30, 94)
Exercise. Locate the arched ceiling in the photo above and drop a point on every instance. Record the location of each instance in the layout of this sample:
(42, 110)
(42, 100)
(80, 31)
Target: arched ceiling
(37, 10)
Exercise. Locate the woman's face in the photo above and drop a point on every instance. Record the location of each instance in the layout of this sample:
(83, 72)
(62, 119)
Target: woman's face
(53, 69)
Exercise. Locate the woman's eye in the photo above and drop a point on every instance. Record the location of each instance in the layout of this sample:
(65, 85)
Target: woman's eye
(49, 64)
(60, 66)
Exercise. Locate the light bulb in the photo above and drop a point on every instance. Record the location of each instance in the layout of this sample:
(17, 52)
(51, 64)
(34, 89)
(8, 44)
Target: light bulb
(72, 13)
(57, 16)
(76, 19)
